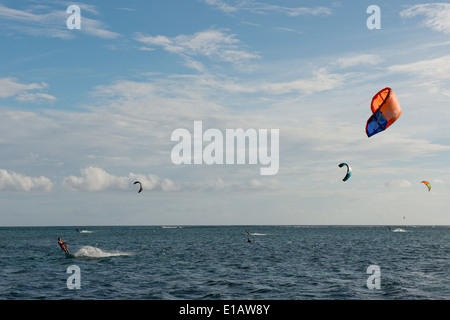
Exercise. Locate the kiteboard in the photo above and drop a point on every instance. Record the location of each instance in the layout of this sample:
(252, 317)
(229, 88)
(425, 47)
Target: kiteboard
(69, 255)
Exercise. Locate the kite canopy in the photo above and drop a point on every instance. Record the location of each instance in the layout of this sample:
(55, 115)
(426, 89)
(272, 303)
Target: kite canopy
(427, 184)
(385, 110)
(140, 186)
(349, 171)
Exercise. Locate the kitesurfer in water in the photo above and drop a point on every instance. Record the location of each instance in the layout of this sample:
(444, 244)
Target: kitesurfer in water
(63, 245)
(248, 240)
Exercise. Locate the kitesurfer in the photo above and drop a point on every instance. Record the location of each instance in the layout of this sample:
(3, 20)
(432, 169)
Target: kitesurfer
(248, 240)
(63, 245)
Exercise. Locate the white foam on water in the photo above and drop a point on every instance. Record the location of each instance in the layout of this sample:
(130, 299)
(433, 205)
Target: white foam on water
(92, 252)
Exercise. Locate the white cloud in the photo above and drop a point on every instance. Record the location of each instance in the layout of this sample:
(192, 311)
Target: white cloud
(97, 29)
(432, 75)
(146, 49)
(401, 183)
(288, 30)
(437, 15)
(153, 182)
(217, 45)
(126, 9)
(12, 181)
(35, 97)
(10, 87)
(221, 5)
(97, 179)
(219, 184)
(264, 8)
(257, 184)
(438, 68)
(362, 59)
(215, 185)
(320, 81)
(292, 12)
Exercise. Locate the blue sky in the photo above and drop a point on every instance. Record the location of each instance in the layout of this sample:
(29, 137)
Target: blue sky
(84, 113)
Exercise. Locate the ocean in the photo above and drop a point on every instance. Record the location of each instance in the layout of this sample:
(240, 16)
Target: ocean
(218, 263)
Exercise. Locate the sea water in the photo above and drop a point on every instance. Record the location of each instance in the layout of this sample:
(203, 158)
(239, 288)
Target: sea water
(218, 262)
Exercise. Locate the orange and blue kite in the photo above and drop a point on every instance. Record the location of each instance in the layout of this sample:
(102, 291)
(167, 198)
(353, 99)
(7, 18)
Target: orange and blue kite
(385, 110)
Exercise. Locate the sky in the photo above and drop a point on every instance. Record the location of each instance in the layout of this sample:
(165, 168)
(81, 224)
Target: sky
(85, 112)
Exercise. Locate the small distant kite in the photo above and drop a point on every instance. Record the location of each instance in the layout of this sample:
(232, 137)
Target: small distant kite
(385, 110)
(349, 171)
(427, 184)
(140, 186)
